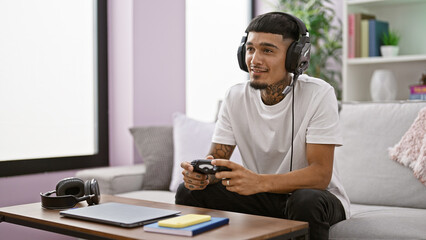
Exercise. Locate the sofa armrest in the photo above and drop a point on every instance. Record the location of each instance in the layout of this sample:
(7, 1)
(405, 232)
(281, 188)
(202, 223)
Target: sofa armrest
(117, 179)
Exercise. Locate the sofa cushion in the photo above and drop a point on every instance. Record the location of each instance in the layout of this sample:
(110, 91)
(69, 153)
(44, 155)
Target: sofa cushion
(117, 179)
(411, 150)
(378, 222)
(192, 140)
(155, 145)
(366, 170)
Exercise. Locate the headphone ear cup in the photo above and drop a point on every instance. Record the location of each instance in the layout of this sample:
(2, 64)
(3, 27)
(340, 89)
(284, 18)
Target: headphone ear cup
(298, 56)
(70, 186)
(241, 54)
(292, 57)
(91, 187)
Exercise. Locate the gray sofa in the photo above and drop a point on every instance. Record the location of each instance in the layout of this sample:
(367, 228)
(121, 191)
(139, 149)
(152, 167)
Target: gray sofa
(387, 200)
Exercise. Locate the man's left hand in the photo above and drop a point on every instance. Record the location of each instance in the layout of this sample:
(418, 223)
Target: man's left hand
(240, 179)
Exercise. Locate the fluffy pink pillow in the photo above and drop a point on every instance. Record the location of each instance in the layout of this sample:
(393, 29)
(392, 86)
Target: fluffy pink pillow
(410, 151)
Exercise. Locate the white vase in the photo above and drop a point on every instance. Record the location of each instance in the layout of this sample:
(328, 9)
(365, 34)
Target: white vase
(389, 51)
(383, 85)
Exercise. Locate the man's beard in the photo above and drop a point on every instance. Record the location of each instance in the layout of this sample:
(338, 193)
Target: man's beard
(258, 85)
(261, 85)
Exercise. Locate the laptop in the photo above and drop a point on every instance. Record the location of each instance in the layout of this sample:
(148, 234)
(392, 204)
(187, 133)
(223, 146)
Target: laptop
(119, 214)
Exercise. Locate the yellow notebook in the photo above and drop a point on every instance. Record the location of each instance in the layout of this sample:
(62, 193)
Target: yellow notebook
(184, 220)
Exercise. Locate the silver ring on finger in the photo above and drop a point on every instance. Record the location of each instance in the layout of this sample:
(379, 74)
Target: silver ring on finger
(227, 182)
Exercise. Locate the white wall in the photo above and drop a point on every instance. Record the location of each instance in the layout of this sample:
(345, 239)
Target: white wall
(213, 34)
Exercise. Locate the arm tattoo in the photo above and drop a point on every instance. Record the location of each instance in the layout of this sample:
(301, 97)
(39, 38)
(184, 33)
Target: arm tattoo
(221, 151)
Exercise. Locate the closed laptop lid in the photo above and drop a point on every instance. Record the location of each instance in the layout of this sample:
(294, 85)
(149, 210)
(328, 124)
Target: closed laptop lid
(124, 215)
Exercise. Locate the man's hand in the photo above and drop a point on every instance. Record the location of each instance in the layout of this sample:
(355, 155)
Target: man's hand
(240, 179)
(193, 180)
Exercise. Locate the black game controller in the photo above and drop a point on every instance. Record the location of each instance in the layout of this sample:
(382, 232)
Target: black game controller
(205, 166)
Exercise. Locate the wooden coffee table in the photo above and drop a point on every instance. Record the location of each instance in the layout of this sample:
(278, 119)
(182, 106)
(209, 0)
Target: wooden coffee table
(241, 226)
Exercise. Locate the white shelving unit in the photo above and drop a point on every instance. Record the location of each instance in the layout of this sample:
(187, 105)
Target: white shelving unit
(408, 17)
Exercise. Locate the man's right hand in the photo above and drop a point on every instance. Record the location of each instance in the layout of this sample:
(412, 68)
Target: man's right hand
(193, 180)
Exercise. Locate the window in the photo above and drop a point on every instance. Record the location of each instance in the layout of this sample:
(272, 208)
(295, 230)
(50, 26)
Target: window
(53, 85)
(213, 33)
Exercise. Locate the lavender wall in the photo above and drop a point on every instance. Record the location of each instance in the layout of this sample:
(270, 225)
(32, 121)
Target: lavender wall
(159, 61)
(147, 69)
(120, 80)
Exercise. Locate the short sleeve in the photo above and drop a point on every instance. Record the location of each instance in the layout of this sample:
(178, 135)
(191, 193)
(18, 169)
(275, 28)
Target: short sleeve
(223, 132)
(324, 127)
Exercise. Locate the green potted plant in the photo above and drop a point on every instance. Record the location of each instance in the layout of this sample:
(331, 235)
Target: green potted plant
(390, 42)
(325, 31)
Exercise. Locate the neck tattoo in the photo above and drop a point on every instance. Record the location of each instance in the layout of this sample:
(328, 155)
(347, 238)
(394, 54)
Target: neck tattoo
(273, 94)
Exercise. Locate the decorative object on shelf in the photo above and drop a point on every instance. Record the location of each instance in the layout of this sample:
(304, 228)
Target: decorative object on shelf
(383, 85)
(389, 51)
(418, 92)
(390, 46)
(325, 32)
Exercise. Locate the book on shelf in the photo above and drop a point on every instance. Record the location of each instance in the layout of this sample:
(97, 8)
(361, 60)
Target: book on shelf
(417, 97)
(418, 89)
(376, 29)
(355, 33)
(351, 35)
(364, 38)
(215, 222)
(358, 32)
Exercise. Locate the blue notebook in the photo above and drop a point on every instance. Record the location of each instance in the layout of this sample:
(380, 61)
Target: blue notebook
(188, 231)
(376, 29)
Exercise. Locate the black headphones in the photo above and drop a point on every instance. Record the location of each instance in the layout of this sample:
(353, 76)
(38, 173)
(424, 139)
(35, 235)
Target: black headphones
(298, 53)
(69, 192)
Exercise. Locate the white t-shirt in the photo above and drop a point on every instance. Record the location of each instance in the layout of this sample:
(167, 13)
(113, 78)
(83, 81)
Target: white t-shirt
(263, 133)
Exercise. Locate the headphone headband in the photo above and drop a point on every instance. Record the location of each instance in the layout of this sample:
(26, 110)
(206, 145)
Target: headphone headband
(303, 31)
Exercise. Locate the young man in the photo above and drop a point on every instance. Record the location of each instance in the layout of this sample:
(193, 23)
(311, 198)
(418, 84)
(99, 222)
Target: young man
(257, 117)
